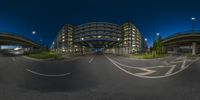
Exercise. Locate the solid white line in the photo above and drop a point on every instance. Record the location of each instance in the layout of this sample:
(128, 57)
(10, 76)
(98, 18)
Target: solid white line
(40, 74)
(90, 61)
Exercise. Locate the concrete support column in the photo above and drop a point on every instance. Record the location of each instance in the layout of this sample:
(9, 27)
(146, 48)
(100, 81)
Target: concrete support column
(194, 48)
(175, 49)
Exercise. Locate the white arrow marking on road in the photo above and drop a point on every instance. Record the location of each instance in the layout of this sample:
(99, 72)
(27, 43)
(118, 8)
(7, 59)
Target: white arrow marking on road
(40, 74)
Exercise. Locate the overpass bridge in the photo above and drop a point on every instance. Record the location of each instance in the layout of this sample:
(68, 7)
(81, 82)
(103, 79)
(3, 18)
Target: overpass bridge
(12, 39)
(20, 43)
(185, 42)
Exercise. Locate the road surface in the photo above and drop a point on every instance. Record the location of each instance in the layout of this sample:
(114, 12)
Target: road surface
(94, 77)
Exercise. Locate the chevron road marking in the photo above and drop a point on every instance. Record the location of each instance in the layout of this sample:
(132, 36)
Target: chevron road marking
(170, 70)
(148, 70)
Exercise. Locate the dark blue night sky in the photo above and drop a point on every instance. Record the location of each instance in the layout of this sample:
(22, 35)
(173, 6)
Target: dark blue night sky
(47, 17)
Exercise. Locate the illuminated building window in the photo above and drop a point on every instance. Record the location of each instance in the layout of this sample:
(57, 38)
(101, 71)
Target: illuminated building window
(99, 36)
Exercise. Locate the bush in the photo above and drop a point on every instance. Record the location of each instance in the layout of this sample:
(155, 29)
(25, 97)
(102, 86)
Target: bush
(147, 56)
(46, 55)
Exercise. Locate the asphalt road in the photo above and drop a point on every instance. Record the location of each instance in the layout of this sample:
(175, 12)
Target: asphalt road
(92, 77)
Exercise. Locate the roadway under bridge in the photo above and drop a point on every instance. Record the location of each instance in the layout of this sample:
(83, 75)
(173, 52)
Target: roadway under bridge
(11, 39)
(14, 44)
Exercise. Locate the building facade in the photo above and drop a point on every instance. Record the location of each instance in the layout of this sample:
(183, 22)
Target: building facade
(63, 42)
(132, 39)
(113, 38)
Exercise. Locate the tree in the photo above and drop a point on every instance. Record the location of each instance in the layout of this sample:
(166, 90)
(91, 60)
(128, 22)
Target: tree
(157, 46)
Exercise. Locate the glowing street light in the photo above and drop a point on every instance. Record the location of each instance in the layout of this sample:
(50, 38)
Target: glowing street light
(193, 20)
(157, 34)
(146, 39)
(33, 32)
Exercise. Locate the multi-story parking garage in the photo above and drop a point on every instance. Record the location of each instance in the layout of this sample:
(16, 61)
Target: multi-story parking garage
(181, 43)
(97, 35)
(109, 37)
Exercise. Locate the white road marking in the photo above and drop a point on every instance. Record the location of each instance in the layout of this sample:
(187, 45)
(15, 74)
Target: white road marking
(170, 70)
(183, 65)
(40, 74)
(13, 58)
(49, 61)
(152, 77)
(90, 61)
(141, 68)
(147, 72)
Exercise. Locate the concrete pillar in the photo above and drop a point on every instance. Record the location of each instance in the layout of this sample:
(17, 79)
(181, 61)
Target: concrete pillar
(194, 48)
(175, 49)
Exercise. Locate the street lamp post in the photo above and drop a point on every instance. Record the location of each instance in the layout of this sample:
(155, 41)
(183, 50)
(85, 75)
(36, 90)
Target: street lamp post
(193, 20)
(157, 36)
(145, 45)
(156, 40)
(37, 37)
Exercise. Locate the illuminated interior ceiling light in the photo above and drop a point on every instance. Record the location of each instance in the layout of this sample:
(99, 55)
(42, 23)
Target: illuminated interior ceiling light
(118, 39)
(99, 36)
(82, 38)
(63, 40)
(17, 48)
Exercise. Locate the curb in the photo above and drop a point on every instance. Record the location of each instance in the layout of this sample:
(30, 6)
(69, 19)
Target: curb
(49, 60)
